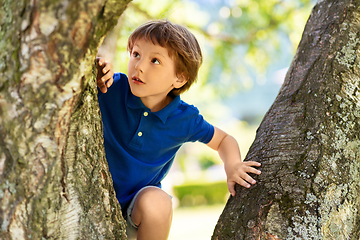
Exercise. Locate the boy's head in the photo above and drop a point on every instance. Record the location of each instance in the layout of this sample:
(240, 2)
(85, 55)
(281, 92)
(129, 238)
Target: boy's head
(181, 44)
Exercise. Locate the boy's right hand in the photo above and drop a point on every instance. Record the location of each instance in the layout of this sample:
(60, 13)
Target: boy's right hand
(104, 78)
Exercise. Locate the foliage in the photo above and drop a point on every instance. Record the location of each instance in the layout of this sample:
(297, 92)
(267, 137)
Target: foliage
(240, 38)
(251, 36)
(192, 194)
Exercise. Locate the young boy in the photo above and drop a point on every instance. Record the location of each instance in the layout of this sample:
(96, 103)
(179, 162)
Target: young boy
(145, 123)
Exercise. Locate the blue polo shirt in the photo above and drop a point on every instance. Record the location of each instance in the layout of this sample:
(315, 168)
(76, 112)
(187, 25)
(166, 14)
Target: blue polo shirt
(140, 145)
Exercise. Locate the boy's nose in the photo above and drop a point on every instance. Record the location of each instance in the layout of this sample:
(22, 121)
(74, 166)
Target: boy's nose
(139, 66)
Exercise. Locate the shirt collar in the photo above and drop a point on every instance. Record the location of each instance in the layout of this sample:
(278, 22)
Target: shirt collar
(136, 103)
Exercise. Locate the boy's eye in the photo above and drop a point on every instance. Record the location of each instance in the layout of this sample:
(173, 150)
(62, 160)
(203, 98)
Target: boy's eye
(136, 54)
(154, 60)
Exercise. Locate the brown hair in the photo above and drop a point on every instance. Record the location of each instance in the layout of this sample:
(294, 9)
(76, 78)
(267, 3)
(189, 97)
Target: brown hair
(181, 44)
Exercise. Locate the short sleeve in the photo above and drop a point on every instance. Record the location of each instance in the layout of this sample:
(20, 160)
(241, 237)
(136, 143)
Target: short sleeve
(202, 131)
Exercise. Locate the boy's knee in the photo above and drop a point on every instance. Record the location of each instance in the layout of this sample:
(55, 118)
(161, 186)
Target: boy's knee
(153, 202)
(155, 199)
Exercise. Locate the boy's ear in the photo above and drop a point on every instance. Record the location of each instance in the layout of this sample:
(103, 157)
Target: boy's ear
(181, 81)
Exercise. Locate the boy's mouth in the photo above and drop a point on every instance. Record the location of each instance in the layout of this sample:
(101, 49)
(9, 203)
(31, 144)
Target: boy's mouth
(137, 80)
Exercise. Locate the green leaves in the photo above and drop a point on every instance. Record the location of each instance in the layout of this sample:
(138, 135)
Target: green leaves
(240, 39)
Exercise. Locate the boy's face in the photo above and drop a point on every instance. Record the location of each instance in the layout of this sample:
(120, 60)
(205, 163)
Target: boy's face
(151, 72)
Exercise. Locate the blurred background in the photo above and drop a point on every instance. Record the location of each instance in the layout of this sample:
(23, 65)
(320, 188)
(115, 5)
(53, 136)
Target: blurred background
(247, 45)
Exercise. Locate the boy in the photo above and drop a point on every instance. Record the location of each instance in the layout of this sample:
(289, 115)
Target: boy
(145, 123)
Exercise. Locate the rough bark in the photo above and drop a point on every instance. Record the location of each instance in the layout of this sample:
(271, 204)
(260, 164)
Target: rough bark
(309, 141)
(54, 179)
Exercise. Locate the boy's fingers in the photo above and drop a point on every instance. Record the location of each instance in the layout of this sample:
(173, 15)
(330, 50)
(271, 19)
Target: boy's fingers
(103, 89)
(107, 67)
(100, 61)
(241, 182)
(109, 82)
(107, 76)
(249, 179)
(231, 187)
(245, 180)
(252, 163)
(102, 86)
(253, 170)
(257, 164)
(244, 183)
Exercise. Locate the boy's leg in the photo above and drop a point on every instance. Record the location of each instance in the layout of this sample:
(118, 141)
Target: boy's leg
(152, 212)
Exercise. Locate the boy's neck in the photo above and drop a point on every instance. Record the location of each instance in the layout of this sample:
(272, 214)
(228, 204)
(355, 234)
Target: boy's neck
(155, 105)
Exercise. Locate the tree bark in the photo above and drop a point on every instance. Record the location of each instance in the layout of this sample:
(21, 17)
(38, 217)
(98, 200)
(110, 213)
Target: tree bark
(54, 178)
(308, 142)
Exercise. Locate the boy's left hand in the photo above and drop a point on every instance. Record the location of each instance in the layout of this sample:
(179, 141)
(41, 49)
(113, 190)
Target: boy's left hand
(238, 173)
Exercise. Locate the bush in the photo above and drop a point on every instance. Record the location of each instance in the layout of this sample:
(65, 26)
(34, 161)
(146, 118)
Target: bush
(196, 194)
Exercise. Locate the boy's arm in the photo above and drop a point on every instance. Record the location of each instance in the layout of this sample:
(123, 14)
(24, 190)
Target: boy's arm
(104, 77)
(236, 170)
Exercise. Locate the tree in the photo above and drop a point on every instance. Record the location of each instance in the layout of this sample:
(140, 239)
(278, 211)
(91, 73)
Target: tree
(54, 179)
(309, 141)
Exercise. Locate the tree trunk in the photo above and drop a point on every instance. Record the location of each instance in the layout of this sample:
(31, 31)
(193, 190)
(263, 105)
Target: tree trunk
(309, 141)
(54, 178)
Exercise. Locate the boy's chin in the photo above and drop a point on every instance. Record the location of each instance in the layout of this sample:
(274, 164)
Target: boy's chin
(136, 95)
(134, 92)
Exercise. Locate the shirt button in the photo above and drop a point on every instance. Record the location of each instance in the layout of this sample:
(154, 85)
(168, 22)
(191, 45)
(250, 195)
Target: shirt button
(139, 134)
(146, 114)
